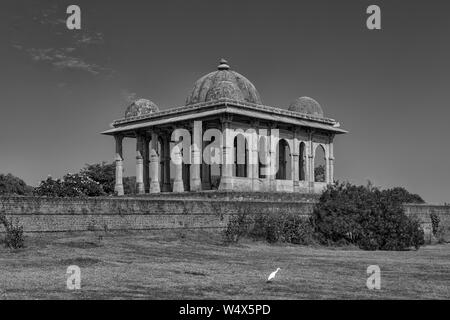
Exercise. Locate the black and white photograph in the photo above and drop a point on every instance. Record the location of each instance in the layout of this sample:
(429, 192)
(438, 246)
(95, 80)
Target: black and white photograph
(224, 154)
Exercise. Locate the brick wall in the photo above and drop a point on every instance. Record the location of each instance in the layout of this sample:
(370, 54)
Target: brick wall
(112, 213)
(195, 210)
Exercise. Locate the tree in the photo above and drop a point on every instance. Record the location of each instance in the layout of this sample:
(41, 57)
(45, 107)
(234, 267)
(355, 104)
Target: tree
(11, 185)
(104, 173)
(365, 216)
(72, 185)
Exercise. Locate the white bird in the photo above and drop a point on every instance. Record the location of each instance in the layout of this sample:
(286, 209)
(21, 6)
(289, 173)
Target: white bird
(272, 275)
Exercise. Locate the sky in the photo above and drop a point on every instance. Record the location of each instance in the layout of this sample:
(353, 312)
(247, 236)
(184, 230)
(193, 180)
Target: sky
(389, 88)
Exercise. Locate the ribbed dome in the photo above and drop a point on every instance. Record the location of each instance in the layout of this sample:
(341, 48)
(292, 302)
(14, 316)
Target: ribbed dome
(223, 83)
(306, 105)
(140, 107)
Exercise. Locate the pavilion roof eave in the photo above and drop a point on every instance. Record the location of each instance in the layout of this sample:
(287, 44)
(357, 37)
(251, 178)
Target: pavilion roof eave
(229, 109)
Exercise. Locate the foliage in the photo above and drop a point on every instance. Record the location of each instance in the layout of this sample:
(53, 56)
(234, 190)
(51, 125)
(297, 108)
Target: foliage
(401, 195)
(11, 185)
(435, 220)
(104, 173)
(72, 185)
(319, 173)
(289, 228)
(237, 227)
(367, 217)
(14, 233)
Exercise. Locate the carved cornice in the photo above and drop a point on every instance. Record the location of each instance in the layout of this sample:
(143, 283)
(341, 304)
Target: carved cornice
(226, 102)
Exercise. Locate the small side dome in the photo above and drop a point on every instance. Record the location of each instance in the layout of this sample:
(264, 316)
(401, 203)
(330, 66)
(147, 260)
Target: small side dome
(141, 107)
(306, 105)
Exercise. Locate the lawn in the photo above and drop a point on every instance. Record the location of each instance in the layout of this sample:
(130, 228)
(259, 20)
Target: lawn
(196, 265)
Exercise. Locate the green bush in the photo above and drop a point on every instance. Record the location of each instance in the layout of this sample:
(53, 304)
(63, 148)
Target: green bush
(14, 233)
(72, 185)
(366, 217)
(289, 228)
(104, 173)
(11, 185)
(236, 228)
(435, 220)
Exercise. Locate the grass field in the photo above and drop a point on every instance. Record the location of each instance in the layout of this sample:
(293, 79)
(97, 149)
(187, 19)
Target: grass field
(182, 265)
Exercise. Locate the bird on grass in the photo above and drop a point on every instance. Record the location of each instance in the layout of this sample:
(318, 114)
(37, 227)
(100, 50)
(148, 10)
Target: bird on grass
(272, 275)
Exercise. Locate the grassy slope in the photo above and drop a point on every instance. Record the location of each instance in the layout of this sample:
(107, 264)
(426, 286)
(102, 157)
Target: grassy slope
(170, 265)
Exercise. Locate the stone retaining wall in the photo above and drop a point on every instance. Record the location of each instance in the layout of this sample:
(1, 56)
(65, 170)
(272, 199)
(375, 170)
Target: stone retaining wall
(170, 211)
(139, 213)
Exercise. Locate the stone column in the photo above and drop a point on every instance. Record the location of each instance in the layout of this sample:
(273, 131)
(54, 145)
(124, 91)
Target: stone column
(226, 182)
(196, 159)
(253, 160)
(154, 164)
(139, 164)
(146, 159)
(310, 163)
(166, 152)
(274, 158)
(331, 161)
(295, 161)
(178, 185)
(118, 187)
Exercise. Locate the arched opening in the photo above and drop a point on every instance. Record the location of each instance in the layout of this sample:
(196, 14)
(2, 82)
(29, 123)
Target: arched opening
(320, 170)
(240, 156)
(302, 162)
(284, 161)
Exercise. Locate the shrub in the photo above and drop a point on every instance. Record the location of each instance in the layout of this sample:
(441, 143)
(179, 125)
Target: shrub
(72, 185)
(11, 185)
(441, 235)
(238, 226)
(14, 233)
(435, 220)
(104, 173)
(367, 217)
(289, 228)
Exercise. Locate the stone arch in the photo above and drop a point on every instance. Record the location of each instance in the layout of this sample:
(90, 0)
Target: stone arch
(240, 156)
(320, 167)
(302, 158)
(283, 150)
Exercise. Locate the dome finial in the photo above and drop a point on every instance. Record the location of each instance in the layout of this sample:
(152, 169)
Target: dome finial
(223, 65)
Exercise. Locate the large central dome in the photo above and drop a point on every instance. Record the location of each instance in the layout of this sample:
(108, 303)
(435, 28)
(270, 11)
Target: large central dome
(223, 84)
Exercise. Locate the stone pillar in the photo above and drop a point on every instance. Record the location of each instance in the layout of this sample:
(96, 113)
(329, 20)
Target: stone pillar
(331, 161)
(226, 182)
(196, 159)
(178, 185)
(253, 160)
(295, 161)
(274, 158)
(118, 187)
(166, 152)
(146, 159)
(139, 164)
(310, 163)
(154, 164)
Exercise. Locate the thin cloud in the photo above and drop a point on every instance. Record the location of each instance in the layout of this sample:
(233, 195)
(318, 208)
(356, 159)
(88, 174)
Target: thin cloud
(69, 52)
(89, 38)
(60, 59)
